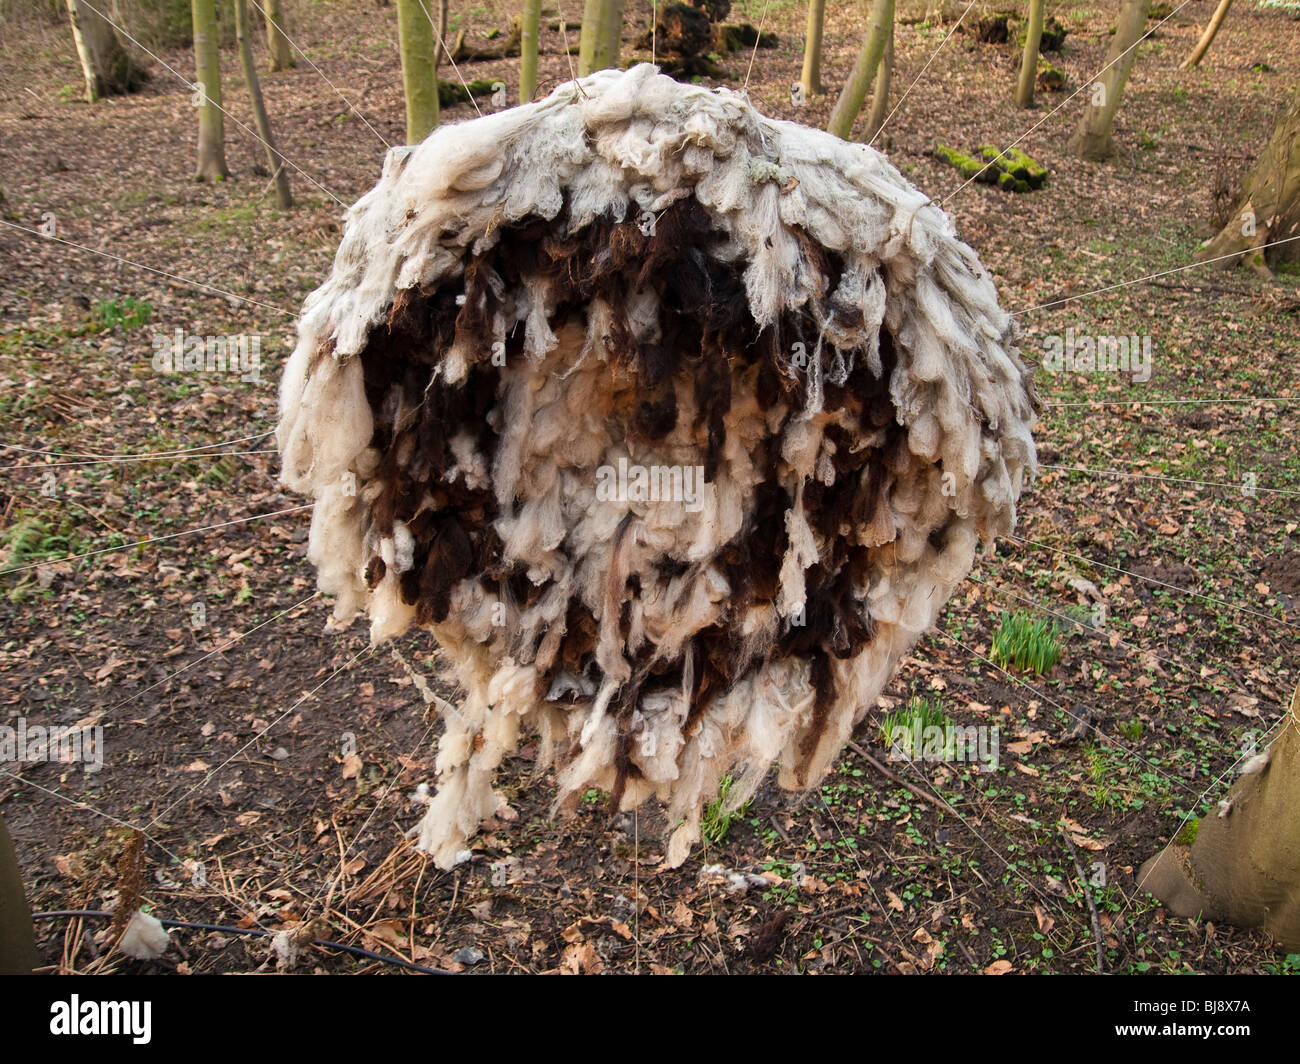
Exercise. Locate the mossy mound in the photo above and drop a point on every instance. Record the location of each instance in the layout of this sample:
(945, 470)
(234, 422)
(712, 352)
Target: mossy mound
(1052, 40)
(1050, 78)
(1054, 34)
(993, 30)
(1010, 169)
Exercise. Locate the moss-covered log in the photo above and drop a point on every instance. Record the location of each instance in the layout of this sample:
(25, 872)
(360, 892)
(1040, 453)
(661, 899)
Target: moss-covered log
(450, 92)
(1009, 168)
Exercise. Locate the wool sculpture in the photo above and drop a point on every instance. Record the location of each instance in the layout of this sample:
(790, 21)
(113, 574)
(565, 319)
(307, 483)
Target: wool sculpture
(674, 424)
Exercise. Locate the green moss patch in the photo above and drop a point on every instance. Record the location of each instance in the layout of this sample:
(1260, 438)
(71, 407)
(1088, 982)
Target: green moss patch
(1187, 835)
(1010, 169)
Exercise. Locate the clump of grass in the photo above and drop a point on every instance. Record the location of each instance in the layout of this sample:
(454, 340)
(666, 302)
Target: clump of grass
(128, 312)
(715, 824)
(900, 728)
(1025, 643)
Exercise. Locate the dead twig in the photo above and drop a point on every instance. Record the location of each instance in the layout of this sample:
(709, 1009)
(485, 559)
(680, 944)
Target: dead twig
(1092, 905)
(935, 801)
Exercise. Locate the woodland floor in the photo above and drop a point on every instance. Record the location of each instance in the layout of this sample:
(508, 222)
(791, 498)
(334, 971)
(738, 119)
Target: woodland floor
(230, 751)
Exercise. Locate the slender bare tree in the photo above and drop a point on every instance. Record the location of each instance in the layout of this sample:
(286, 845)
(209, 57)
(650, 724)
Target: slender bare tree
(602, 32)
(1207, 38)
(854, 93)
(880, 97)
(276, 39)
(529, 27)
(279, 171)
(588, 40)
(440, 45)
(1092, 138)
(1029, 60)
(811, 80)
(207, 92)
(611, 34)
(107, 65)
(419, 69)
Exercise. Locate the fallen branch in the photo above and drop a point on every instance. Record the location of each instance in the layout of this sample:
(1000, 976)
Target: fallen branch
(935, 801)
(1092, 905)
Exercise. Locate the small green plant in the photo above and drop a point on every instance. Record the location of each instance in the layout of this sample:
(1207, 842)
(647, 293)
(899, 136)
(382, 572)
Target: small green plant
(1131, 729)
(33, 540)
(128, 312)
(29, 541)
(1025, 643)
(715, 824)
(903, 727)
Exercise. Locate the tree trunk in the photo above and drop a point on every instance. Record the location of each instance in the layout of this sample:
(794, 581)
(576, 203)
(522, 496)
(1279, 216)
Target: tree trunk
(1029, 60)
(1207, 38)
(279, 173)
(812, 48)
(276, 41)
(611, 35)
(602, 31)
(849, 104)
(589, 40)
(440, 46)
(529, 26)
(207, 94)
(1242, 863)
(1269, 210)
(1092, 139)
(419, 71)
(17, 942)
(880, 98)
(105, 62)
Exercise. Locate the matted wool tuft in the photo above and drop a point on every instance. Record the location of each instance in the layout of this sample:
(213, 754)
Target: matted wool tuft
(675, 425)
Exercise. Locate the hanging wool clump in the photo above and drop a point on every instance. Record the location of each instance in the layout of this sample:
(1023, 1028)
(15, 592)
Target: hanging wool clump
(674, 424)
